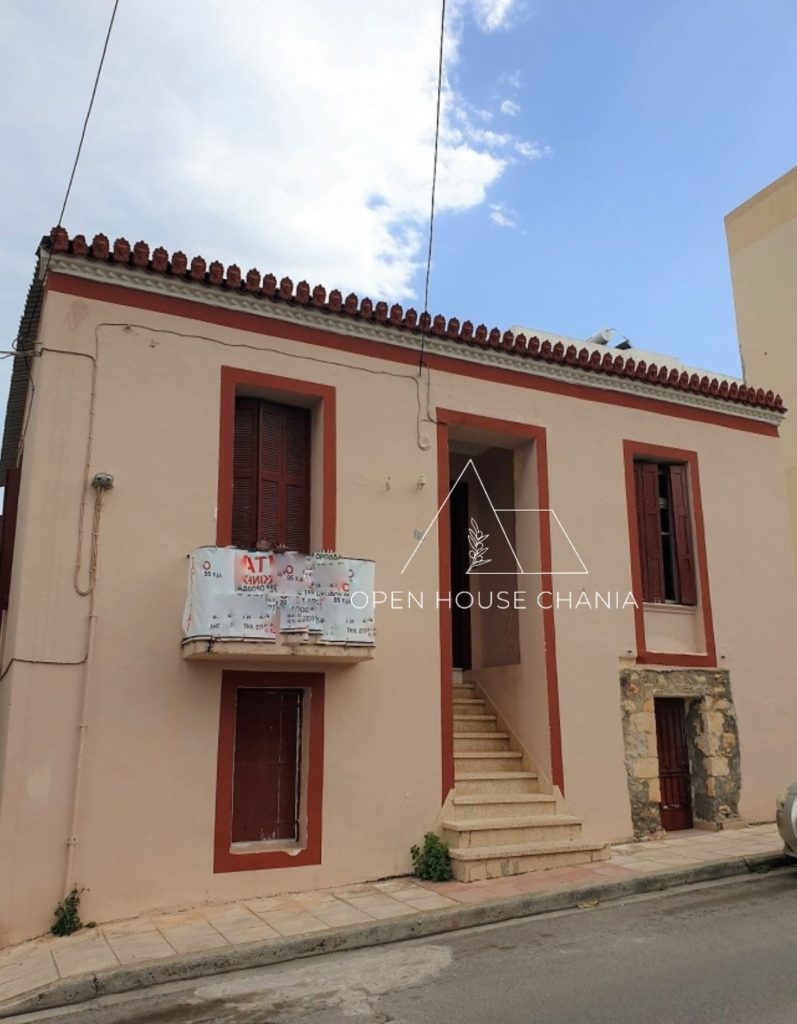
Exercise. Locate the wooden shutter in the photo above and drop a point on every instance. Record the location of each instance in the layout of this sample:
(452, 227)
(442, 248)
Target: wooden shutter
(296, 523)
(646, 477)
(682, 529)
(244, 474)
(266, 764)
(271, 475)
(10, 503)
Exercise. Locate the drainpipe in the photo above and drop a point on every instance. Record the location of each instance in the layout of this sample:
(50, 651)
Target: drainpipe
(101, 483)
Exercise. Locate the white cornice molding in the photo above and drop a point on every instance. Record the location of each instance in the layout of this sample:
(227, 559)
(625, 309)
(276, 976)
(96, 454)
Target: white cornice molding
(161, 284)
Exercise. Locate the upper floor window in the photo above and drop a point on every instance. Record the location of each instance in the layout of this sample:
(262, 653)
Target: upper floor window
(271, 475)
(665, 532)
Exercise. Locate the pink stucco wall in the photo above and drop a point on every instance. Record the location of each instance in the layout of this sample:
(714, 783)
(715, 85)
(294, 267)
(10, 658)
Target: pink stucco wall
(146, 812)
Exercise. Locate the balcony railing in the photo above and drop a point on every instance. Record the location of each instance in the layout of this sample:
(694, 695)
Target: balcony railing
(245, 605)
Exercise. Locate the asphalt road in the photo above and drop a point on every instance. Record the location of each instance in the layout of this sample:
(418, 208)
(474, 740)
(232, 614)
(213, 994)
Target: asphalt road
(718, 952)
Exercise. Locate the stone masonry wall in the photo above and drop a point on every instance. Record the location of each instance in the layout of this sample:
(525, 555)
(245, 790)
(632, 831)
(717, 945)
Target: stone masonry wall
(712, 739)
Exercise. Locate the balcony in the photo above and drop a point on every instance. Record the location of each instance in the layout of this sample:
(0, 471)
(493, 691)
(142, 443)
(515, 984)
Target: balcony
(278, 608)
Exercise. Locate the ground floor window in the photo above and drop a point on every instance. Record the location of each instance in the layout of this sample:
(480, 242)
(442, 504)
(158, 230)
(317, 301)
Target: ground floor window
(267, 755)
(270, 770)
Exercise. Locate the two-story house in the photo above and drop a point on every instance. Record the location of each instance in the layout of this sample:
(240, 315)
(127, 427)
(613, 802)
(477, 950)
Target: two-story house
(290, 578)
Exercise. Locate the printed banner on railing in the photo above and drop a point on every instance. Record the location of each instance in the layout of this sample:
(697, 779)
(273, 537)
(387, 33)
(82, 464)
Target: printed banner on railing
(258, 595)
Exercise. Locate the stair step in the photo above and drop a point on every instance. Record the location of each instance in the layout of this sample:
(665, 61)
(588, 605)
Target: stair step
(497, 806)
(483, 782)
(493, 833)
(475, 723)
(466, 706)
(463, 691)
(466, 734)
(477, 863)
(476, 741)
(487, 760)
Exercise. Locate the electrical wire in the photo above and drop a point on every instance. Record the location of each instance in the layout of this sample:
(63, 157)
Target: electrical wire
(86, 121)
(424, 328)
(59, 222)
(86, 591)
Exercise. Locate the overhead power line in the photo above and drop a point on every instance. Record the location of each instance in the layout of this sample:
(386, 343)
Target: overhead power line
(59, 223)
(434, 178)
(88, 113)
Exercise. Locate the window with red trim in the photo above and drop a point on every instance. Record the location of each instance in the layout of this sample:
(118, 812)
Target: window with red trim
(271, 475)
(270, 769)
(267, 749)
(664, 520)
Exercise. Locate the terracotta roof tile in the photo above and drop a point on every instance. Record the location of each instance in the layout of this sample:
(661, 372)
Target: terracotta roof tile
(611, 362)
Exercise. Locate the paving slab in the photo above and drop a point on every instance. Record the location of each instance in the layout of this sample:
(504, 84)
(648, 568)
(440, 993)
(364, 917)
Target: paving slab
(123, 956)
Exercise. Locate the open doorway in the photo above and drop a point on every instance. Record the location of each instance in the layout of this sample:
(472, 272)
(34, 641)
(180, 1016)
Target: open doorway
(460, 581)
(483, 559)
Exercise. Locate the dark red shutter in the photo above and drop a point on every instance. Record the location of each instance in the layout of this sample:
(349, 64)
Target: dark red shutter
(244, 473)
(10, 504)
(271, 475)
(646, 477)
(296, 524)
(682, 528)
(266, 765)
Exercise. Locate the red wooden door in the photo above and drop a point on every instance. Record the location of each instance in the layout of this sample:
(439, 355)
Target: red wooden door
(265, 796)
(674, 775)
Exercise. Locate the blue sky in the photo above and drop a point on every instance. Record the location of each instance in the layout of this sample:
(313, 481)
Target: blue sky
(589, 152)
(661, 118)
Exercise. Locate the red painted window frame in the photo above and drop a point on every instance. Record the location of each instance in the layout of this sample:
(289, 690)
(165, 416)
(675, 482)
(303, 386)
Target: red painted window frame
(224, 859)
(633, 450)
(232, 380)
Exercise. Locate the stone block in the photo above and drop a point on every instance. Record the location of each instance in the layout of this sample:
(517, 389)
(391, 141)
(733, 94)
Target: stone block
(715, 722)
(644, 722)
(716, 767)
(646, 768)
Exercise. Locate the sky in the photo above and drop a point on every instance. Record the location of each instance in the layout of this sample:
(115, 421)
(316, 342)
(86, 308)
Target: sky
(589, 149)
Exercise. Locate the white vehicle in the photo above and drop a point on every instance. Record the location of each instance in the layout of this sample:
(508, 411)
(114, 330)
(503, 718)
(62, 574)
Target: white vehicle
(787, 819)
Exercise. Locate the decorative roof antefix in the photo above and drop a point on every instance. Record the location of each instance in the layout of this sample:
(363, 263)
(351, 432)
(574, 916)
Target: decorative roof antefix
(611, 362)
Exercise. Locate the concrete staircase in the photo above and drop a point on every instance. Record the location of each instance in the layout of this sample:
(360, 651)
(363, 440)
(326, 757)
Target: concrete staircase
(500, 820)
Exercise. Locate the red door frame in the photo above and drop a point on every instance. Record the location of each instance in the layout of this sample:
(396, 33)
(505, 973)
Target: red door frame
(445, 419)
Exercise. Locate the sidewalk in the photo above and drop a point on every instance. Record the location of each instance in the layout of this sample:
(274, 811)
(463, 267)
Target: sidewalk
(146, 950)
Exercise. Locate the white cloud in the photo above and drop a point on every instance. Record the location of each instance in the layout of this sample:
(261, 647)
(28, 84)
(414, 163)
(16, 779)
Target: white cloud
(493, 14)
(503, 217)
(532, 150)
(510, 108)
(511, 79)
(298, 145)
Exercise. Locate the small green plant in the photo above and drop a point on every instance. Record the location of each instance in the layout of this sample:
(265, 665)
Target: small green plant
(432, 862)
(67, 914)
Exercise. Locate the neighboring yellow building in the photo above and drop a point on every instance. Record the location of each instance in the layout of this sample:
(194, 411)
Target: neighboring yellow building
(762, 244)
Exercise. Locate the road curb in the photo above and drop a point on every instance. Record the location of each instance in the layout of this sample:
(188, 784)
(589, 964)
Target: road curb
(184, 967)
